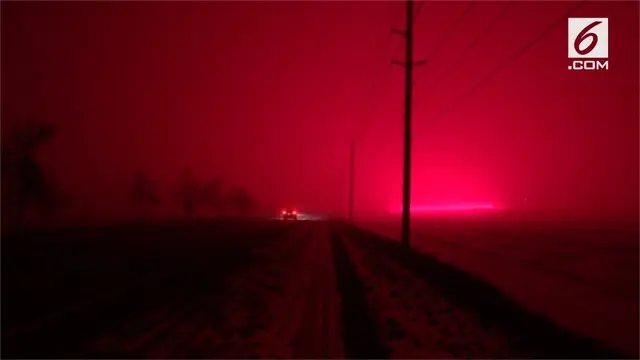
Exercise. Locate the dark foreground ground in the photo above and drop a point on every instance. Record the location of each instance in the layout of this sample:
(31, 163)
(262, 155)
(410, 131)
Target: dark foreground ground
(270, 289)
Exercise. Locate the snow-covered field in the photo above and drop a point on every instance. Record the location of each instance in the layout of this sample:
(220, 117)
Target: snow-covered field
(583, 276)
(416, 321)
(231, 289)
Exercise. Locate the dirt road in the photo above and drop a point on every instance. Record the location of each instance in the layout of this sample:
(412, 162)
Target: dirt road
(273, 289)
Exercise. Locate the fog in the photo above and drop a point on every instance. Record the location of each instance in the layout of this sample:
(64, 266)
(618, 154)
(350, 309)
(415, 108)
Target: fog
(268, 96)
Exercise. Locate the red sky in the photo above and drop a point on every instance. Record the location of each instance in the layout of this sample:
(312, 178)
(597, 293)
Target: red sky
(269, 95)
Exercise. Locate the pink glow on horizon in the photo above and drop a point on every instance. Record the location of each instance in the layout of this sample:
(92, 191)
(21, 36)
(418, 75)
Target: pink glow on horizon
(448, 208)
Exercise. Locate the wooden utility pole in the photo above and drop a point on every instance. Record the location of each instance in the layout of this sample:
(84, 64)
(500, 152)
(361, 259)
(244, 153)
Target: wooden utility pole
(406, 181)
(406, 178)
(352, 166)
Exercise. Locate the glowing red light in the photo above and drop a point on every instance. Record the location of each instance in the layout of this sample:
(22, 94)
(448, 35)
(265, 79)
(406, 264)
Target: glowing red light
(294, 212)
(459, 207)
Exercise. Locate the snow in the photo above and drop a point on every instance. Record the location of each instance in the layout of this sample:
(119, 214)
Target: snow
(585, 278)
(281, 305)
(416, 321)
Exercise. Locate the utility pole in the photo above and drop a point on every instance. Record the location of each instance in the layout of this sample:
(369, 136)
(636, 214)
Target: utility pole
(351, 178)
(406, 181)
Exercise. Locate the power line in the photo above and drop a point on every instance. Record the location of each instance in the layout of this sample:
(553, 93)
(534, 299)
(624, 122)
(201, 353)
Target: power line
(414, 17)
(374, 87)
(462, 56)
(378, 77)
(448, 34)
(513, 58)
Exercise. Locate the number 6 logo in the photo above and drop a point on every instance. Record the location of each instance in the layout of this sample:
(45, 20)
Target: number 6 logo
(584, 35)
(588, 38)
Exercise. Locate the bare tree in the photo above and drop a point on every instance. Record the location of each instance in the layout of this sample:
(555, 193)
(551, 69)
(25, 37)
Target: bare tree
(189, 193)
(239, 201)
(144, 192)
(52, 199)
(211, 195)
(23, 174)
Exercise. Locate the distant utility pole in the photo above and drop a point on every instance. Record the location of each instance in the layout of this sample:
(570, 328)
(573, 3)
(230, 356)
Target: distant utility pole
(352, 166)
(406, 182)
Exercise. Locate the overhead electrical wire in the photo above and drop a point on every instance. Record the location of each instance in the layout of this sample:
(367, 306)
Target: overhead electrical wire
(379, 79)
(508, 61)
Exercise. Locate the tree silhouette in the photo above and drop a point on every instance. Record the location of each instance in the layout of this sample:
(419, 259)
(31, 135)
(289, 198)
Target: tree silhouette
(51, 198)
(144, 191)
(211, 195)
(29, 183)
(188, 193)
(239, 201)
